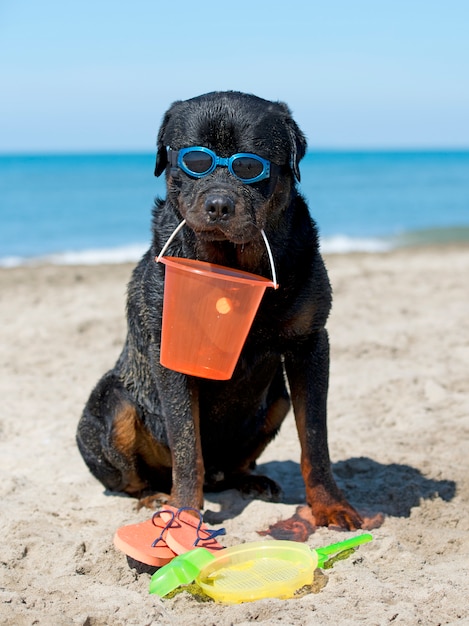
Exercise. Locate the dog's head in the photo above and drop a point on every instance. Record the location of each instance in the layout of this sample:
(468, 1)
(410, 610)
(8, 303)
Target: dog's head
(221, 197)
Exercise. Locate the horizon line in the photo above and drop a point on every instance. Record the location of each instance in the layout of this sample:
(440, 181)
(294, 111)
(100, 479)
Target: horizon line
(310, 151)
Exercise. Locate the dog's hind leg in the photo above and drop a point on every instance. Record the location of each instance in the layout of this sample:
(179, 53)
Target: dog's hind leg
(115, 444)
(256, 485)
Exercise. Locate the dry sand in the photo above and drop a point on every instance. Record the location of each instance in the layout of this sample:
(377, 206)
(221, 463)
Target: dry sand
(398, 424)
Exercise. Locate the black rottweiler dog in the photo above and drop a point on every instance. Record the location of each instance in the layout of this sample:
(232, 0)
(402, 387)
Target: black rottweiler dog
(148, 429)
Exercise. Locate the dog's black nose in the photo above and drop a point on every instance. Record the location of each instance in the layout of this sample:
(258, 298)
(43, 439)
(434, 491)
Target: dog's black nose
(219, 207)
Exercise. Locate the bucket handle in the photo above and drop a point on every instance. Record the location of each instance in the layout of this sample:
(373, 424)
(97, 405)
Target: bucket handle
(271, 258)
(166, 245)
(266, 241)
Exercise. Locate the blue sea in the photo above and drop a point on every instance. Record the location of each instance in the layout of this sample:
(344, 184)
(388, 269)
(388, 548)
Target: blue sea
(97, 208)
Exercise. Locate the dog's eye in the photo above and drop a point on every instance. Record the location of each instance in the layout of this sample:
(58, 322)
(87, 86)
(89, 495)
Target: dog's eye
(247, 167)
(198, 162)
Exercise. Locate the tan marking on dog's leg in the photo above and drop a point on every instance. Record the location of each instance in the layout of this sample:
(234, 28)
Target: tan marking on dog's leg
(124, 437)
(125, 430)
(328, 505)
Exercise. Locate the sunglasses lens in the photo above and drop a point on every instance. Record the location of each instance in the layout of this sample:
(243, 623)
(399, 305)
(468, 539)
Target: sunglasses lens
(247, 167)
(197, 161)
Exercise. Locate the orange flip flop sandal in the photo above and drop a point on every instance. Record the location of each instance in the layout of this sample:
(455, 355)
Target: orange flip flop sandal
(186, 532)
(145, 542)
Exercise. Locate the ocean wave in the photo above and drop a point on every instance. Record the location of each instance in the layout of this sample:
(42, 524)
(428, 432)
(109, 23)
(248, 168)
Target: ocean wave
(440, 235)
(133, 253)
(339, 244)
(103, 256)
(336, 244)
(434, 236)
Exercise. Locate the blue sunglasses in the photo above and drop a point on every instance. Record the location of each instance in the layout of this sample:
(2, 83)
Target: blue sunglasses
(199, 162)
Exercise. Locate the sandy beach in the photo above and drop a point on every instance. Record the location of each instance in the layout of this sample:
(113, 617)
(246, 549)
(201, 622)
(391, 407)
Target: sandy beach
(398, 433)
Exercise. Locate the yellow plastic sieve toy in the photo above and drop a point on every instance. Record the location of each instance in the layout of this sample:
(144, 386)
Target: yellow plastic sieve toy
(262, 569)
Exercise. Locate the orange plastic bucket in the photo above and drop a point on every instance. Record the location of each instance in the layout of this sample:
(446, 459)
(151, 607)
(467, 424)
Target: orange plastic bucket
(208, 310)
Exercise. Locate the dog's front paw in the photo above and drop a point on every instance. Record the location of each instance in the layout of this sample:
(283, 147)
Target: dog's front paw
(337, 515)
(330, 508)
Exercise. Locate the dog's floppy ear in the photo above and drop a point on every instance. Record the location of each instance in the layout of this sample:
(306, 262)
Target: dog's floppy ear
(297, 141)
(161, 154)
(161, 160)
(298, 146)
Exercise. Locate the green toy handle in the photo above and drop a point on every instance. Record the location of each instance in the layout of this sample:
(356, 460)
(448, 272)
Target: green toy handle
(334, 548)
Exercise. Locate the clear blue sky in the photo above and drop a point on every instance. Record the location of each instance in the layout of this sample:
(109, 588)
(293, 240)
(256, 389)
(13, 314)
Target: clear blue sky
(98, 74)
